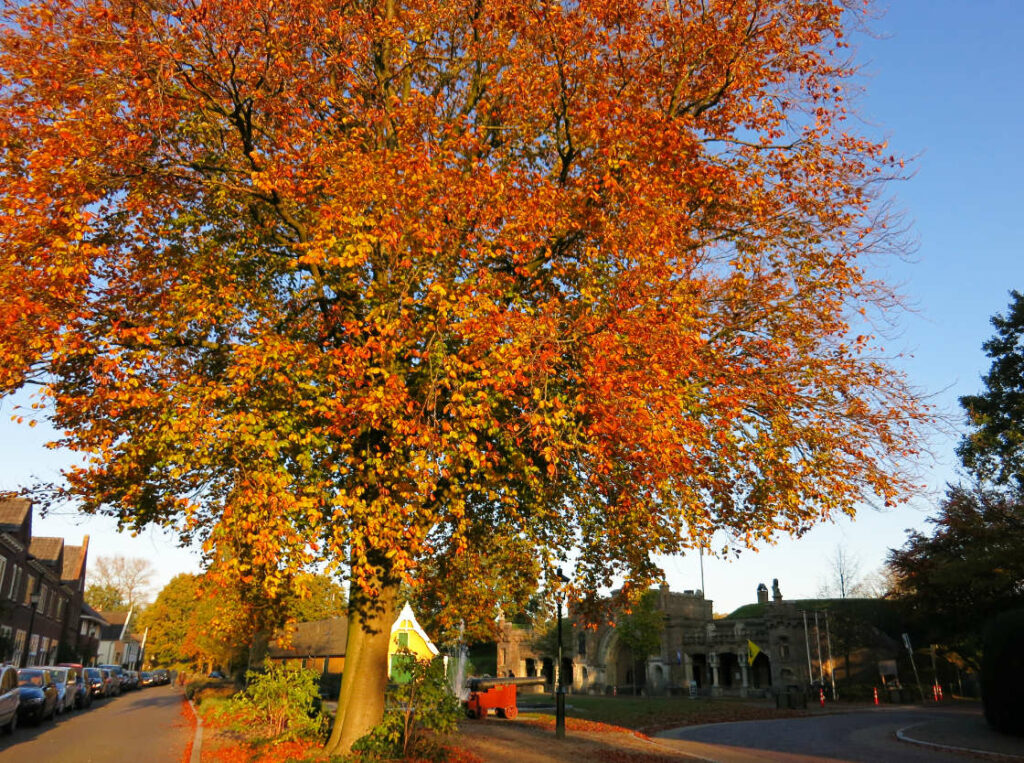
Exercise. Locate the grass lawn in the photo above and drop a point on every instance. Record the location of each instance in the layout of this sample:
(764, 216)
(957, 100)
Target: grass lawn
(649, 714)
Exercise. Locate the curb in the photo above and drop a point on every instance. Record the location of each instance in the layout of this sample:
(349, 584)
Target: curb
(197, 738)
(902, 735)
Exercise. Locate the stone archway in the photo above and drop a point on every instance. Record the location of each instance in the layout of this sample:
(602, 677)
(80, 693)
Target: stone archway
(761, 672)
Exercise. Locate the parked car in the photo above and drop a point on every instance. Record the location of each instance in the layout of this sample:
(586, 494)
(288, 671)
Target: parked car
(83, 697)
(161, 677)
(38, 695)
(95, 681)
(83, 694)
(111, 684)
(146, 679)
(66, 681)
(120, 680)
(9, 698)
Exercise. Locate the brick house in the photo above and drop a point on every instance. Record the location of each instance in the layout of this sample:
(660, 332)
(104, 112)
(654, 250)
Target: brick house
(42, 582)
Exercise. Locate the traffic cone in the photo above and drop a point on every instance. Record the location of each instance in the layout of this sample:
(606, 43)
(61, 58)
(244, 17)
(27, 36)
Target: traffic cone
(876, 695)
(821, 695)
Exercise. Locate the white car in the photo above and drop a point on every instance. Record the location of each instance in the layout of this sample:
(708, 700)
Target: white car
(10, 698)
(65, 693)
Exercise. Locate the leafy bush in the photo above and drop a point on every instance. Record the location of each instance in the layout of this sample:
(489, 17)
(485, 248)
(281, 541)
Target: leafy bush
(280, 703)
(417, 715)
(1002, 673)
(203, 688)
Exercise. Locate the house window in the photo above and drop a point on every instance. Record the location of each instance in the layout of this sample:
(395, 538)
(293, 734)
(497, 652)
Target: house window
(19, 646)
(44, 594)
(33, 647)
(581, 645)
(3, 569)
(403, 640)
(30, 585)
(15, 581)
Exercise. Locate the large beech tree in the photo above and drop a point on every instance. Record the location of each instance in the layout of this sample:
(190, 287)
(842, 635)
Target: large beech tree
(447, 293)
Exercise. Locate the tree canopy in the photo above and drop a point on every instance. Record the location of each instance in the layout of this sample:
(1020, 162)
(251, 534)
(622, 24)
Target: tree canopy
(427, 288)
(966, 572)
(994, 450)
(106, 598)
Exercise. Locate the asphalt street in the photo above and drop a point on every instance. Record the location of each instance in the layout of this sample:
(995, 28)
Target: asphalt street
(144, 725)
(868, 736)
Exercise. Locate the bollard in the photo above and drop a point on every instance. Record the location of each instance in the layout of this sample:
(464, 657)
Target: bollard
(821, 696)
(876, 695)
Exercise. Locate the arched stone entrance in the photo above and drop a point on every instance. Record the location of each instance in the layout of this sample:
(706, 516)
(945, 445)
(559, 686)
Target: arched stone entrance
(761, 672)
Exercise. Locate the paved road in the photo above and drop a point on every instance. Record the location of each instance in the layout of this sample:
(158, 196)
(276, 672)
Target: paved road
(868, 737)
(139, 727)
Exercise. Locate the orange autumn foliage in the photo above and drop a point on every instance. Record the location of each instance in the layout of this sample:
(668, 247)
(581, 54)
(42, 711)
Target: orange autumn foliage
(444, 291)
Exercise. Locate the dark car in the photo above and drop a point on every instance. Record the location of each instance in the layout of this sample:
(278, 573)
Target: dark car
(93, 680)
(38, 695)
(146, 679)
(161, 677)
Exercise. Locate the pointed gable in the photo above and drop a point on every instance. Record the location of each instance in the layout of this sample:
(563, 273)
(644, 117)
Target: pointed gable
(50, 551)
(16, 518)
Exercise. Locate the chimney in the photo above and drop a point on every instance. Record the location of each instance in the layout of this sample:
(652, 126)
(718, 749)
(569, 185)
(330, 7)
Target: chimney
(762, 594)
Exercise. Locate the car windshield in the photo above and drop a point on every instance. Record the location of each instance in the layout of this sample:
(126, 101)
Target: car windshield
(30, 678)
(59, 675)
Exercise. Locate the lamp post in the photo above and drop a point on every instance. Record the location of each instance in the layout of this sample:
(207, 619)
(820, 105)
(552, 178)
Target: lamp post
(33, 605)
(559, 683)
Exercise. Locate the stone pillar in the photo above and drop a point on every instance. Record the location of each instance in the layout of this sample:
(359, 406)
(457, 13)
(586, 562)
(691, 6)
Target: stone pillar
(687, 669)
(742, 657)
(714, 664)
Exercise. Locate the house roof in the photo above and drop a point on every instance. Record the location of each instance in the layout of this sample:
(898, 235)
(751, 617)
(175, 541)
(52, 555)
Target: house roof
(320, 638)
(13, 512)
(46, 549)
(113, 618)
(74, 556)
(92, 614)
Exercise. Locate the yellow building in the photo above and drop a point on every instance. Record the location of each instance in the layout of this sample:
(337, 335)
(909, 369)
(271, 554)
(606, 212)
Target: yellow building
(407, 637)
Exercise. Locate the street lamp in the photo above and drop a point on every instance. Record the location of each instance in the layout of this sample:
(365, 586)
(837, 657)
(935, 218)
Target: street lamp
(33, 605)
(559, 683)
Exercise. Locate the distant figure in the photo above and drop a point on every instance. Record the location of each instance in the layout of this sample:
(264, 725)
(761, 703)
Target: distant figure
(776, 593)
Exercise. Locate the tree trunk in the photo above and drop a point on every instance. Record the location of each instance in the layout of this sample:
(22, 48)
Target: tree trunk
(365, 677)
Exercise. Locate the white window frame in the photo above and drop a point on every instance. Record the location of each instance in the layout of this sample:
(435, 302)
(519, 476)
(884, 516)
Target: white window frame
(15, 580)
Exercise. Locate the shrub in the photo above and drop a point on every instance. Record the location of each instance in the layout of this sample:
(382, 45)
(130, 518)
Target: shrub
(203, 688)
(281, 703)
(418, 714)
(1002, 673)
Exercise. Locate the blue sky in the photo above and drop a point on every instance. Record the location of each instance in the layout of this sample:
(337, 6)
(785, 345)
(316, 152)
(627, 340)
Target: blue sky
(942, 81)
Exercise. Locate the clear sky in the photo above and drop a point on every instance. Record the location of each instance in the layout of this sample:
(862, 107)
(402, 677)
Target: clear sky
(943, 83)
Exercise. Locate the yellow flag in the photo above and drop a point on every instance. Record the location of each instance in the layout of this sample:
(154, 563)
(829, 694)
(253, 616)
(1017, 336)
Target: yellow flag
(752, 651)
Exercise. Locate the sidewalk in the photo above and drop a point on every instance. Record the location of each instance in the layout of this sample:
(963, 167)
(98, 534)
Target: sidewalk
(964, 731)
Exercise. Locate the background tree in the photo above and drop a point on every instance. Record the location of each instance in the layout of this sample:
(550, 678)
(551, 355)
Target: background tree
(317, 597)
(968, 570)
(126, 578)
(105, 598)
(842, 577)
(639, 631)
(413, 287)
(994, 450)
